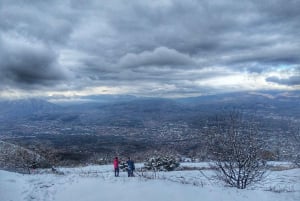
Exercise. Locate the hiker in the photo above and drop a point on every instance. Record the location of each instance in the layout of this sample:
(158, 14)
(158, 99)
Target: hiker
(130, 167)
(116, 166)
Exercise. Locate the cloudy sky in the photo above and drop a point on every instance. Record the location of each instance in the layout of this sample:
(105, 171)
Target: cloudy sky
(163, 48)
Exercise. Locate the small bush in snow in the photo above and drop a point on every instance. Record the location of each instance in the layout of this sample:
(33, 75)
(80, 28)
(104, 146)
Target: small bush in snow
(123, 166)
(281, 189)
(161, 163)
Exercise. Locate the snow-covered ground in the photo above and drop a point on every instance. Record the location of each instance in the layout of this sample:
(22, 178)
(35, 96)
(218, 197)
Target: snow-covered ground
(95, 183)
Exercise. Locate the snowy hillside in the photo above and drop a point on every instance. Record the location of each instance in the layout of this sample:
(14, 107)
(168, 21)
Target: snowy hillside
(94, 183)
(16, 158)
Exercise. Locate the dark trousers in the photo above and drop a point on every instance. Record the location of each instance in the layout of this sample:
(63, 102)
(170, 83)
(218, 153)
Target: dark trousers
(130, 173)
(116, 172)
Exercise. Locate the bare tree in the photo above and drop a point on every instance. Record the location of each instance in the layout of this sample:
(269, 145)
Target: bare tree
(238, 151)
(297, 156)
(295, 131)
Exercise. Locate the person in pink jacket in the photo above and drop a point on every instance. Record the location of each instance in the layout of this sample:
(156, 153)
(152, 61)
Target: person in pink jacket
(116, 166)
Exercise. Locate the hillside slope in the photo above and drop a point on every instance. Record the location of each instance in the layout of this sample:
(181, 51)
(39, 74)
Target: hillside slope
(94, 183)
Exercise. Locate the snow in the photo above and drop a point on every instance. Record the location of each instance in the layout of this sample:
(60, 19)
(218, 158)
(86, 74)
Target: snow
(11, 186)
(93, 183)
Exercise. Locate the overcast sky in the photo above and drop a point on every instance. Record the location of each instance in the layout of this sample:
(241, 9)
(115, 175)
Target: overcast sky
(163, 48)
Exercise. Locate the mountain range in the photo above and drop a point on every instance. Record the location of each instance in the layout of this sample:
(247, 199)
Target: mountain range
(103, 106)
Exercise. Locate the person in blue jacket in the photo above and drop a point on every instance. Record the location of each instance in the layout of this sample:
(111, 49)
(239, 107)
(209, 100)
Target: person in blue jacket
(131, 167)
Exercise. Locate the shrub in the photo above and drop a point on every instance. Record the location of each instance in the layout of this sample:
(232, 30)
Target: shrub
(161, 163)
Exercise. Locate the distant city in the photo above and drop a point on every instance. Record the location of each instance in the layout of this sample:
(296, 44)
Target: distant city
(94, 132)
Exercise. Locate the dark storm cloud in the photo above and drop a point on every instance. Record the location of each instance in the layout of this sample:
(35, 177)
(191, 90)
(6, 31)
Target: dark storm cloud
(246, 32)
(42, 20)
(166, 42)
(159, 57)
(30, 32)
(291, 81)
(25, 63)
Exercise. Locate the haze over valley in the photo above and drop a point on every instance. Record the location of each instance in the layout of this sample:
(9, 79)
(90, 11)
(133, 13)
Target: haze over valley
(104, 126)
